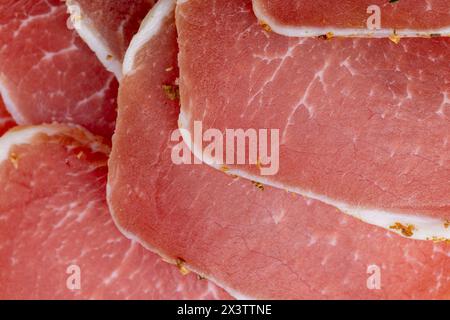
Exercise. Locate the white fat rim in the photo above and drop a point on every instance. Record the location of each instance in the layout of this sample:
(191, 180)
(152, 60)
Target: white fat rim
(149, 28)
(85, 28)
(426, 228)
(10, 105)
(23, 135)
(291, 31)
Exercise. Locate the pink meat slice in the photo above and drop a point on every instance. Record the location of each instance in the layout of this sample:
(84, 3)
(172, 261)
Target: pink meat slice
(47, 73)
(363, 123)
(108, 26)
(54, 217)
(6, 120)
(254, 243)
(410, 18)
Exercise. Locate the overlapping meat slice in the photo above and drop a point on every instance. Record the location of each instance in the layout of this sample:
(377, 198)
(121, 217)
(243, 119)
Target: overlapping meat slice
(55, 225)
(256, 243)
(305, 18)
(362, 123)
(47, 73)
(108, 26)
(6, 120)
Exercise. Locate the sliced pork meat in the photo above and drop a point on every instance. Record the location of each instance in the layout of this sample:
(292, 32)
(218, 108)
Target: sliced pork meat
(6, 120)
(108, 26)
(57, 238)
(355, 18)
(360, 124)
(255, 242)
(47, 73)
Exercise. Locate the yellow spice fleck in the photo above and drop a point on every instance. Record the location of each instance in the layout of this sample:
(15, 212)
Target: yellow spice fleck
(407, 230)
(265, 26)
(258, 185)
(14, 158)
(394, 38)
(181, 267)
(439, 240)
(172, 92)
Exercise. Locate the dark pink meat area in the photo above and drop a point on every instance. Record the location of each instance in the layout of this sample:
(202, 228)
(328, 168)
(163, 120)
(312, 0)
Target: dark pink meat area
(361, 121)
(54, 216)
(411, 14)
(48, 72)
(261, 244)
(6, 120)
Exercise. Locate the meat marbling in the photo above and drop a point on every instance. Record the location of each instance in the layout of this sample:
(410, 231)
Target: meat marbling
(47, 73)
(255, 243)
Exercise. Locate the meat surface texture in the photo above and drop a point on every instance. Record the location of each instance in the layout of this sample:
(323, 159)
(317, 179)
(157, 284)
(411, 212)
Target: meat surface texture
(355, 18)
(363, 123)
(257, 244)
(47, 73)
(6, 121)
(108, 26)
(55, 225)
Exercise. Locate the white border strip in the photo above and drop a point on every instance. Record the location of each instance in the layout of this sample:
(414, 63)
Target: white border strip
(291, 31)
(21, 135)
(24, 135)
(85, 28)
(149, 28)
(10, 105)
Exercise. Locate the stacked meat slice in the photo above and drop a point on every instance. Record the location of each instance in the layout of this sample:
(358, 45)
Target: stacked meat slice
(57, 238)
(226, 228)
(47, 73)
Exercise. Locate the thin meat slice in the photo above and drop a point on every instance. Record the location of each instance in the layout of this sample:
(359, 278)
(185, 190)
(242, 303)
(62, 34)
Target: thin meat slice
(108, 26)
(362, 123)
(6, 120)
(47, 73)
(54, 223)
(355, 18)
(255, 243)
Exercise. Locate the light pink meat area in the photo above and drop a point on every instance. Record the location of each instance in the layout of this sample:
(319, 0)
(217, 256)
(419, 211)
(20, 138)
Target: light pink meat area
(260, 244)
(411, 14)
(48, 72)
(53, 214)
(361, 121)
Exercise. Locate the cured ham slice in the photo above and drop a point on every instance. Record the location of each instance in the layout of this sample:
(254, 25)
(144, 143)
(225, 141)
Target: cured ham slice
(355, 18)
(55, 226)
(6, 120)
(255, 243)
(362, 123)
(47, 73)
(108, 26)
